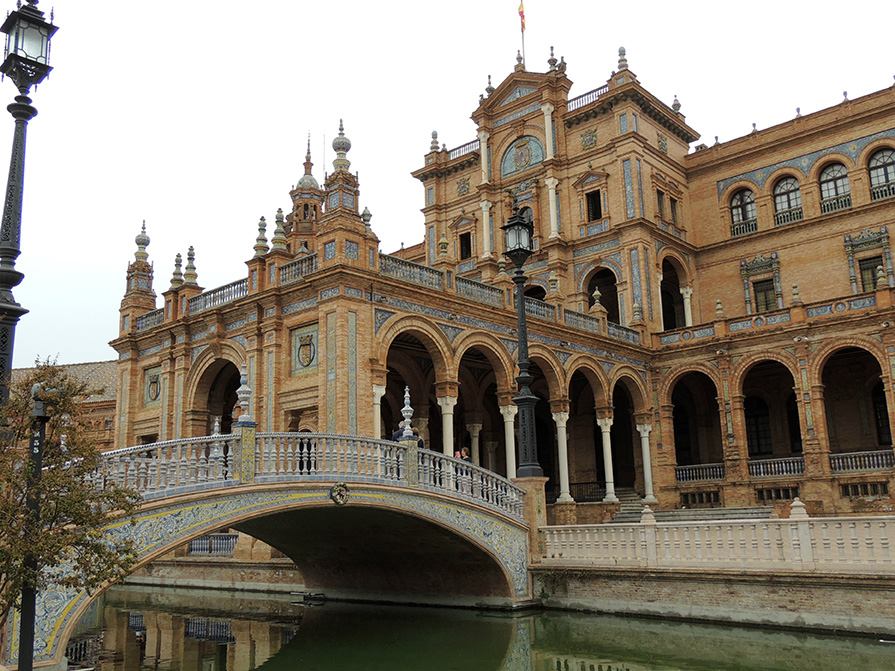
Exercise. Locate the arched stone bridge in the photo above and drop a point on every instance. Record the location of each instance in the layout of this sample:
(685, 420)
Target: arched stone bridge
(361, 518)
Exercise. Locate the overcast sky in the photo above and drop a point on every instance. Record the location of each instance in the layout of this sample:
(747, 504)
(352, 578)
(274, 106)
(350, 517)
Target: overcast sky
(194, 115)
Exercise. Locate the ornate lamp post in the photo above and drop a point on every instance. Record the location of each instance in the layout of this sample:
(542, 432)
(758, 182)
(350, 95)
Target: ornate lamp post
(519, 234)
(27, 63)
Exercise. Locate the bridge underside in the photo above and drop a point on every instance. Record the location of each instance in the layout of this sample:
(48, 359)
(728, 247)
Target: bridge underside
(374, 554)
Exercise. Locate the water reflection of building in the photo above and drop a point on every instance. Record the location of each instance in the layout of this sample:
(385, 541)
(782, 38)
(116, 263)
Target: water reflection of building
(709, 326)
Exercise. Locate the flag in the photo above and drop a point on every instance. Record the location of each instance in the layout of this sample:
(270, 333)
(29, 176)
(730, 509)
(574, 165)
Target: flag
(522, 16)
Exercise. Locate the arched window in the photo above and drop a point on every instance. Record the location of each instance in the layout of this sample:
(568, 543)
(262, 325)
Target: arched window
(787, 201)
(742, 212)
(882, 174)
(835, 192)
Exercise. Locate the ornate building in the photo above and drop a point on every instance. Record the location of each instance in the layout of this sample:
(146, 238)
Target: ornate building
(709, 326)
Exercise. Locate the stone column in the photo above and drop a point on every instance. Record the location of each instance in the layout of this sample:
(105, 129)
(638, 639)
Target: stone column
(378, 393)
(483, 154)
(551, 183)
(605, 423)
(447, 403)
(509, 414)
(565, 495)
(644, 431)
(547, 109)
(486, 229)
(474, 431)
(491, 453)
(687, 293)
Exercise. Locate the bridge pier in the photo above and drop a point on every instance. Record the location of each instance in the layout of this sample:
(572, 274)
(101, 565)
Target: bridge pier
(534, 510)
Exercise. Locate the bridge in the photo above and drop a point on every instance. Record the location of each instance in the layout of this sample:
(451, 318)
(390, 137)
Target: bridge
(362, 518)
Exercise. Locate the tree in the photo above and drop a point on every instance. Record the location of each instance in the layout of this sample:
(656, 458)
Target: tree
(74, 506)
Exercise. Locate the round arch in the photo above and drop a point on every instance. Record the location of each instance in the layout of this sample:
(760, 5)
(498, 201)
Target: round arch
(593, 373)
(670, 379)
(492, 348)
(630, 379)
(432, 338)
(741, 369)
(827, 159)
(553, 370)
(822, 355)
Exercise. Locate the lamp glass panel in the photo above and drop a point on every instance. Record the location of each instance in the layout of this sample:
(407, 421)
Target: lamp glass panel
(514, 238)
(33, 42)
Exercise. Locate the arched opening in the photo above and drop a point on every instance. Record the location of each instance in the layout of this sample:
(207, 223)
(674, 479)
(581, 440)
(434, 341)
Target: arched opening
(410, 365)
(535, 291)
(622, 436)
(697, 424)
(770, 412)
(477, 411)
(604, 281)
(672, 300)
(585, 446)
(220, 400)
(855, 402)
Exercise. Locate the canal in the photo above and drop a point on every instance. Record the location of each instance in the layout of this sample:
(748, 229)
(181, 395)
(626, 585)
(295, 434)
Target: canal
(131, 629)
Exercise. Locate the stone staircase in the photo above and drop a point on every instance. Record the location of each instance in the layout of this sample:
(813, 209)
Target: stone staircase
(632, 507)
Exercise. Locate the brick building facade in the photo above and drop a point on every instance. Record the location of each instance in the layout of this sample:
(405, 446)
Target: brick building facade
(708, 325)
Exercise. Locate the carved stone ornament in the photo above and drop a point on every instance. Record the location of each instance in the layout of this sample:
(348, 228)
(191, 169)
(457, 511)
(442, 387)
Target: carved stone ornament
(463, 186)
(306, 350)
(339, 493)
(154, 388)
(589, 139)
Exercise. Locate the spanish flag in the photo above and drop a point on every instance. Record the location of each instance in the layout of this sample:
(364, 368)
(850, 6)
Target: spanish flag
(522, 16)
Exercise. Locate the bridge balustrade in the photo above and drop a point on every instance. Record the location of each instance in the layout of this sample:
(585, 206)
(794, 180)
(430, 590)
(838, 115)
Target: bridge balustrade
(191, 464)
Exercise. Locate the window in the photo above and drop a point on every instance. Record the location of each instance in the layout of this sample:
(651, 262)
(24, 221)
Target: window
(867, 269)
(758, 426)
(787, 201)
(835, 192)
(742, 212)
(660, 204)
(594, 206)
(465, 245)
(673, 203)
(882, 174)
(765, 297)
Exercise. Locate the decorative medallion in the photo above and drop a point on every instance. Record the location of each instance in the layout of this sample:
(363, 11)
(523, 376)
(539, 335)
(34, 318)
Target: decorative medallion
(589, 139)
(339, 493)
(155, 387)
(662, 141)
(463, 186)
(306, 350)
(522, 154)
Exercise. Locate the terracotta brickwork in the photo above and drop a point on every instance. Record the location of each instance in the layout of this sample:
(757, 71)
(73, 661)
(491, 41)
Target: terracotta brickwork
(709, 326)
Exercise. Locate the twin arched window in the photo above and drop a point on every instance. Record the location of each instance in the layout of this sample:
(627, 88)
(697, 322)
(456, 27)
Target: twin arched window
(742, 212)
(882, 174)
(787, 201)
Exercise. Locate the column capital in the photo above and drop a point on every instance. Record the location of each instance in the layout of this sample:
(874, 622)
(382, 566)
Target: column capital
(547, 108)
(686, 292)
(644, 429)
(604, 423)
(508, 411)
(474, 429)
(560, 418)
(446, 403)
(551, 182)
(378, 392)
(483, 136)
(485, 205)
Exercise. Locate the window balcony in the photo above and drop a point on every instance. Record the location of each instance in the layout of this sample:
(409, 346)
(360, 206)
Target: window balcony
(788, 216)
(835, 204)
(883, 191)
(744, 227)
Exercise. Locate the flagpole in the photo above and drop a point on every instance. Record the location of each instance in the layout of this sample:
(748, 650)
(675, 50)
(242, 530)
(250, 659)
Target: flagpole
(522, 26)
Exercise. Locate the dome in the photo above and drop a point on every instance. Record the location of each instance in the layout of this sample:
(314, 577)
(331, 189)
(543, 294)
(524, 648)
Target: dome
(308, 182)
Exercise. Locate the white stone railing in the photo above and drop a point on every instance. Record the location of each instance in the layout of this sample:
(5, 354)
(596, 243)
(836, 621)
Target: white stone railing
(409, 271)
(768, 468)
(699, 472)
(194, 464)
(173, 466)
(296, 270)
(479, 291)
(587, 98)
(463, 149)
(862, 461)
(220, 296)
(800, 543)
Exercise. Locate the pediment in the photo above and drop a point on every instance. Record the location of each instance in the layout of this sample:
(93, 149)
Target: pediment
(519, 92)
(590, 177)
(462, 221)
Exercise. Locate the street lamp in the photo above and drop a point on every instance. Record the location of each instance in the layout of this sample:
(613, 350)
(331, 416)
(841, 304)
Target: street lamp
(27, 63)
(519, 233)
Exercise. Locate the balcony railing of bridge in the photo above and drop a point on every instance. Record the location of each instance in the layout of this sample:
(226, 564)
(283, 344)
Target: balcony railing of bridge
(699, 472)
(479, 291)
(220, 296)
(769, 468)
(296, 270)
(587, 98)
(878, 460)
(216, 545)
(582, 321)
(150, 319)
(837, 544)
(411, 272)
(540, 309)
(158, 469)
(622, 333)
(464, 149)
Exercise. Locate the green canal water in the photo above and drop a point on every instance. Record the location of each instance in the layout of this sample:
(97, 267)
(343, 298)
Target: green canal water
(132, 629)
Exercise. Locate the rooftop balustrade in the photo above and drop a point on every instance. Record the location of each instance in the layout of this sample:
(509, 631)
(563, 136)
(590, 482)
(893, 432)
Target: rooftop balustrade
(464, 149)
(586, 98)
(220, 296)
(298, 269)
(415, 273)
